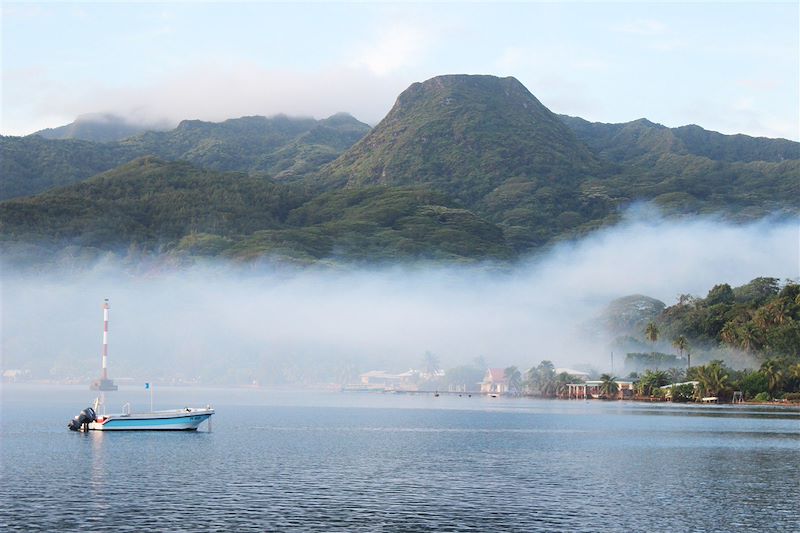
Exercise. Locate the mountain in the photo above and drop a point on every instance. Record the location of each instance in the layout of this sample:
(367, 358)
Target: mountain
(491, 145)
(177, 208)
(149, 201)
(692, 170)
(276, 146)
(32, 164)
(462, 168)
(99, 127)
(631, 140)
(466, 135)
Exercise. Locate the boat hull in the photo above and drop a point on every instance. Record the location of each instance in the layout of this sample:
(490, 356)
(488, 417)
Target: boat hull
(186, 420)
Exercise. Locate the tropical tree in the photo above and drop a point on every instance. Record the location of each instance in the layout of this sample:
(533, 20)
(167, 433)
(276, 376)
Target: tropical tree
(729, 334)
(651, 333)
(609, 386)
(713, 378)
(560, 383)
(773, 371)
(514, 378)
(652, 380)
(675, 375)
(541, 378)
(682, 393)
(749, 338)
(681, 344)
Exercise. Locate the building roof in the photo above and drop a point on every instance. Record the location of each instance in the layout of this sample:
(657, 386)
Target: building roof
(695, 383)
(386, 375)
(570, 371)
(495, 375)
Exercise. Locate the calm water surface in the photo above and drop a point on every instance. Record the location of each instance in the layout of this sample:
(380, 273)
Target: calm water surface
(278, 461)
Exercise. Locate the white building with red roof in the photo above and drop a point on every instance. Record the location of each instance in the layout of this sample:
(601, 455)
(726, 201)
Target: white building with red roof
(495, 381)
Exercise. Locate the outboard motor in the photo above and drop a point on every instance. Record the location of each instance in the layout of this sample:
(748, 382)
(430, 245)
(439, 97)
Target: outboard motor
(82, 420)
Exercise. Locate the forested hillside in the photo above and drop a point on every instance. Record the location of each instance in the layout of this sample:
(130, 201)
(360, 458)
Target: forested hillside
(760, 318)
(277, 146)
(461, 168)
(175, 207)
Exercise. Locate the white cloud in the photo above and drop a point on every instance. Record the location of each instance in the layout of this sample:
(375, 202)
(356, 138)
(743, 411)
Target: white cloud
(230, 89)
(648, 27)
(393, 49)
(224, 317)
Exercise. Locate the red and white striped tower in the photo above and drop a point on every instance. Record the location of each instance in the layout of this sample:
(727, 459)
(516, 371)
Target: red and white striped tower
(105, 340)
(104, 384)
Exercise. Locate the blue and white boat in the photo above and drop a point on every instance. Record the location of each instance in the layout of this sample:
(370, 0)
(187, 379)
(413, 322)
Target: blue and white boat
(186, 419)
(90, 419)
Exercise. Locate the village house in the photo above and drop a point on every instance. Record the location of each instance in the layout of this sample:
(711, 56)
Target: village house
(668, 388)
(495, 381)
(380, 379)
(592, 389)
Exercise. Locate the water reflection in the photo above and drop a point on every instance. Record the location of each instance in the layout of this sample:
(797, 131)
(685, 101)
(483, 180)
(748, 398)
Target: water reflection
(340, 463)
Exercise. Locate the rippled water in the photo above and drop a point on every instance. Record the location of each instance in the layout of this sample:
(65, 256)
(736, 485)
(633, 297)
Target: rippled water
(280, 461)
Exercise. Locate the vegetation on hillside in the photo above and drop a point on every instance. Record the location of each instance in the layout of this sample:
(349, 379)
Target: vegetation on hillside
(278, 146)
(176, 208)
(692, 170)
(98, 127)
(462, 168)
(758, 322)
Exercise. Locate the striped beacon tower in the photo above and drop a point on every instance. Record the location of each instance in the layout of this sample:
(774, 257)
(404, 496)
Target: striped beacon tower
(104, 384)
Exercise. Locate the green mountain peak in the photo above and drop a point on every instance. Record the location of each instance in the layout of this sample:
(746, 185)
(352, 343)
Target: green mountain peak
(464, 135)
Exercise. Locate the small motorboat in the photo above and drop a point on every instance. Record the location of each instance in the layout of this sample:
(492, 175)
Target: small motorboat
(186, 419)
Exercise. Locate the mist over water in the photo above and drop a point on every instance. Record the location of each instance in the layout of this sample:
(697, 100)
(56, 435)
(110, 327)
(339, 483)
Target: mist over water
(232, 323)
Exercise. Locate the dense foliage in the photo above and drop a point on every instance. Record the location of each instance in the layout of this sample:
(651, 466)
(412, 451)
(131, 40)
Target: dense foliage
(691, 170)
(756, 322)
(278, 146)
(462, 168)
(174, 207)
(761, 317)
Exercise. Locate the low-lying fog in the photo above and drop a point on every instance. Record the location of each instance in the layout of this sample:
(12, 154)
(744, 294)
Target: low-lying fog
(231, 324)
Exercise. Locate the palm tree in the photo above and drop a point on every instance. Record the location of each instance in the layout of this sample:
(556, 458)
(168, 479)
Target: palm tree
(514, 379)
(652, 380)
(531, 382)
(560, 383)
(681, 344)
(749, 338)
(771, 368)
(712, 377)
(651, 332)
(729, 334)
(541, 377)
(609, 386)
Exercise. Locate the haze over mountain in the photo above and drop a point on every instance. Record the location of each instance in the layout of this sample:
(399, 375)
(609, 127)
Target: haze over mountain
(100, 127)
(462, 168)
(274, 146)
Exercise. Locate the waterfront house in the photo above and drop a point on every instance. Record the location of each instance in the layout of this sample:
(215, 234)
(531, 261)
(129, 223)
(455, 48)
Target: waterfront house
(592, 389)
(380, 379)
(668, 388)
(494, 381)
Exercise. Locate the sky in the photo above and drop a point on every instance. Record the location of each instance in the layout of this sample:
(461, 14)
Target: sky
(729, 67)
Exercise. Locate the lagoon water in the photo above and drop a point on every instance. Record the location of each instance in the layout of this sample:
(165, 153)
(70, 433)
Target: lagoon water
(281, 461)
